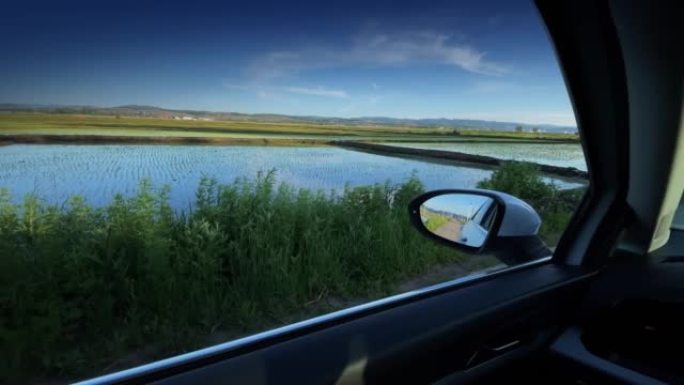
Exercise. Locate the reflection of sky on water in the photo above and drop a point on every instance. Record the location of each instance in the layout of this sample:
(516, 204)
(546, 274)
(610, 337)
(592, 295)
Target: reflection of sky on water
(56, 172)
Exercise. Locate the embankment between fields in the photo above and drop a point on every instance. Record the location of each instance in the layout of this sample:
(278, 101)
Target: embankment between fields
(460, 157)
(121, 139)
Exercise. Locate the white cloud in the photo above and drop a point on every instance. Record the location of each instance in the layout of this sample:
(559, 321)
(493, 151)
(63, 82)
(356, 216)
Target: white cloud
(268, 74)
(319, 91)
(397, 49)
(264, 91)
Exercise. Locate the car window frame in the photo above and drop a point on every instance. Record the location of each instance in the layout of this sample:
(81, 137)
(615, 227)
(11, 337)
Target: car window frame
(594, 220)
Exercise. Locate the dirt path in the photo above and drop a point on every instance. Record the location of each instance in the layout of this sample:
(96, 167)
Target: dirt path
(450, 230)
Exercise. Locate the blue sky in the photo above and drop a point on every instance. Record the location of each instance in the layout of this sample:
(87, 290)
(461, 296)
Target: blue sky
(460, 204)
(455, 59)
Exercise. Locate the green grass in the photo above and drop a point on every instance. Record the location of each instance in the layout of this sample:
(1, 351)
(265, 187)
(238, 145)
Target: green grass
(434, 221)
(543, 136)
(555, 206)
(82, 287)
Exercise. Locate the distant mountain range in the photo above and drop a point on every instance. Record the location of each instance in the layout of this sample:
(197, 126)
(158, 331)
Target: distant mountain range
(158, 112)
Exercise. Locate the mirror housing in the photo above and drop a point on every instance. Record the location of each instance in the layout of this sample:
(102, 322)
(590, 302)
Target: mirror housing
(510, 220)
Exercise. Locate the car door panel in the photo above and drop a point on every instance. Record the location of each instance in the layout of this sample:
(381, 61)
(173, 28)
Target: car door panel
(421, 338)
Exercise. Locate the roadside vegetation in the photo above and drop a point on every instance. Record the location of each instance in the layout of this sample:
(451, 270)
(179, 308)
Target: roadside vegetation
(84, 289)
(554, 205)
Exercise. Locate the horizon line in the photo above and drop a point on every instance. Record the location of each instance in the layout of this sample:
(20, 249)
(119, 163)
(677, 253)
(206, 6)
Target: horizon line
(44, 105)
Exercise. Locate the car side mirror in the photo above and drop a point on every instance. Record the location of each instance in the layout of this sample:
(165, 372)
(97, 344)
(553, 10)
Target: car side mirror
(473, 220)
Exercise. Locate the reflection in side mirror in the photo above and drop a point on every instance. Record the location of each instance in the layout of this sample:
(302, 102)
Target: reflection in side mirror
(479, 221)
(462, 218)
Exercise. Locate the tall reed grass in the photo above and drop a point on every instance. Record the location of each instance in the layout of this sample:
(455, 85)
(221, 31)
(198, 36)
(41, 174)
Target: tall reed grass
(84, 286)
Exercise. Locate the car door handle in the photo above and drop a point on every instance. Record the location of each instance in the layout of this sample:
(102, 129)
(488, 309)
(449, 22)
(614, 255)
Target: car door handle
(487, 352)
(505, 346)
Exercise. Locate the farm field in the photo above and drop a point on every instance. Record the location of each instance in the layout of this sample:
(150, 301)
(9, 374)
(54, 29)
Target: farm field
(56, 124)
(102, 125)
(96, 172)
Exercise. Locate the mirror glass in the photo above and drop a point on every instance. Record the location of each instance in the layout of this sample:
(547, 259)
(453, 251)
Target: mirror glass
(462, 218)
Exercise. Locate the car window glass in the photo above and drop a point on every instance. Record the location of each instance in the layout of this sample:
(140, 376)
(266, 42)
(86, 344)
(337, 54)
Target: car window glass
(178, 175)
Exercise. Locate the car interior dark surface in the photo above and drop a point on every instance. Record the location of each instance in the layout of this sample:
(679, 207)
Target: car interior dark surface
(604, 309)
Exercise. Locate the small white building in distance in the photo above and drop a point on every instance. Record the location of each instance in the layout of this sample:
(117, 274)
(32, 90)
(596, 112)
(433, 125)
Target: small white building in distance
(192, 118)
